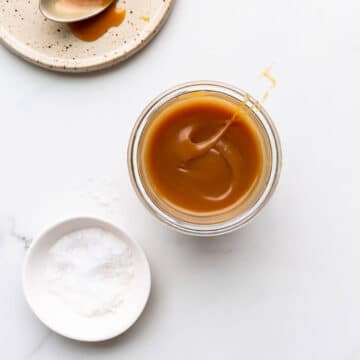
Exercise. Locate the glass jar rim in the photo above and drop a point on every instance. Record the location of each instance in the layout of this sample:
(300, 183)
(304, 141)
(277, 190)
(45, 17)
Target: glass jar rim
(239, 220)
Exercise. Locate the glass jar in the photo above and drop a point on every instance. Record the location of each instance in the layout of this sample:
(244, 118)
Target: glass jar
(196, 223)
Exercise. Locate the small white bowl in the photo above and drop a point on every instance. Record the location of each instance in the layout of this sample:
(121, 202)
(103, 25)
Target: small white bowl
(60, 318)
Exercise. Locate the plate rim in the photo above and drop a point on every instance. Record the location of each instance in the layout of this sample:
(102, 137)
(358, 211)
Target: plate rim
(67, 66)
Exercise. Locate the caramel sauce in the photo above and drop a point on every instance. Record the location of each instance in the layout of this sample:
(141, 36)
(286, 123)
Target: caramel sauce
(93, 28)
(85, 3)
(68, 9)
(202, 154)
(266, 74)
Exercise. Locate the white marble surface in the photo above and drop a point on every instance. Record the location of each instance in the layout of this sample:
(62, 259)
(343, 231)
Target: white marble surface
(285, 287)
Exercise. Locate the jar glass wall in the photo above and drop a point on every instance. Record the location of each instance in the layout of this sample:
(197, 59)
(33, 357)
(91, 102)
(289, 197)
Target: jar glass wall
(219, 222)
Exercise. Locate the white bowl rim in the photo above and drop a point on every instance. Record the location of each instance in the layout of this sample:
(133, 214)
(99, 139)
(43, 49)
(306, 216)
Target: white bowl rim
(97, 221)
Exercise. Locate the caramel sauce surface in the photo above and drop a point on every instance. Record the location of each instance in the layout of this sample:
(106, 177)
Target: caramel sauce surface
(202, 154)
(85, 3)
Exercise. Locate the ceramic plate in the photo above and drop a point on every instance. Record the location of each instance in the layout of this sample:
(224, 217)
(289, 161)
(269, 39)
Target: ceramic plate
(25, 31)
(56, 313)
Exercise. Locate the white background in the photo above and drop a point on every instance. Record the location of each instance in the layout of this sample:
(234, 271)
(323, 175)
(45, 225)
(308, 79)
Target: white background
(286, 286)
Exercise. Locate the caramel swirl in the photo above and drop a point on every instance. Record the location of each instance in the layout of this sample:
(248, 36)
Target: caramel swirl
(202, 154)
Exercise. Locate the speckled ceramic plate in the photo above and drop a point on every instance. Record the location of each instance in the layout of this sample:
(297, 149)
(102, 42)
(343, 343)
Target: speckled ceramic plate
(25, 31)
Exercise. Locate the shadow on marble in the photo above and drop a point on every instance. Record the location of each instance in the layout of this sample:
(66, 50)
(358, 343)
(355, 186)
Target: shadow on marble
(237, 241)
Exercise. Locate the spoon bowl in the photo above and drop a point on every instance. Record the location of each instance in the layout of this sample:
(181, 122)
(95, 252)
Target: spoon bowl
(66, 11)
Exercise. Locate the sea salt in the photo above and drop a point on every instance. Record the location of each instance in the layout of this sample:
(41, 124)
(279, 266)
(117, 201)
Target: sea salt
(90, 271)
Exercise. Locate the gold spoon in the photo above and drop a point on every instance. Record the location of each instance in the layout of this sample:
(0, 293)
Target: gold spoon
(65, 11)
